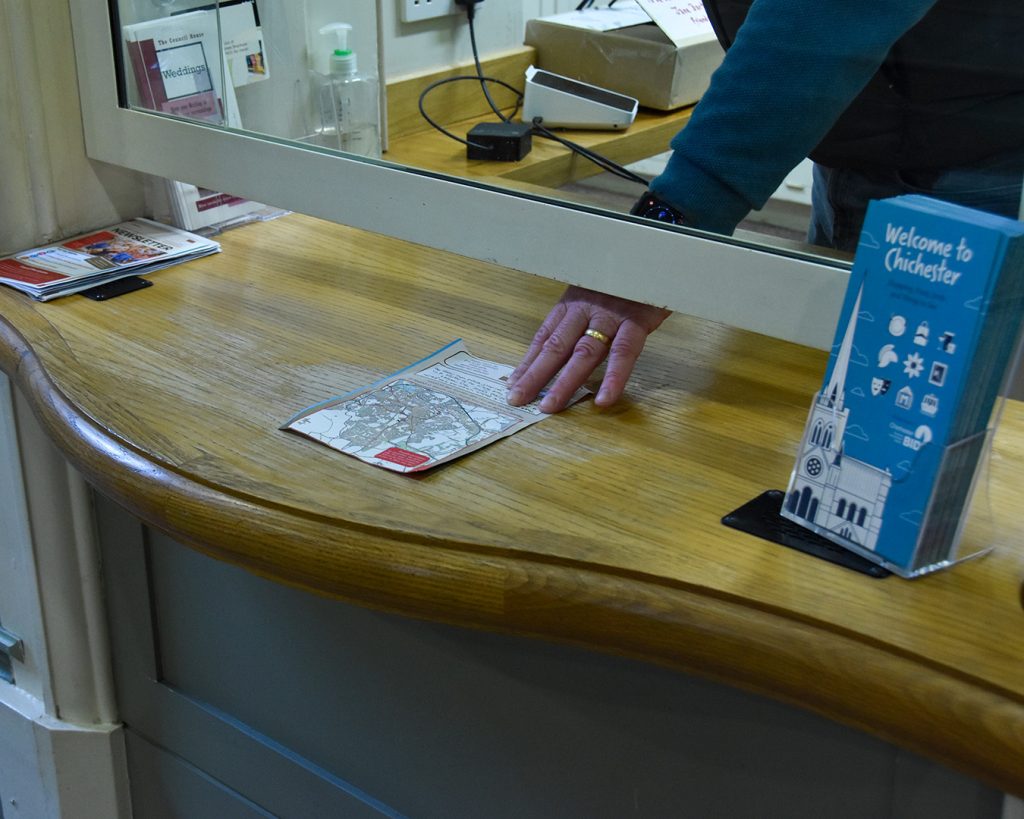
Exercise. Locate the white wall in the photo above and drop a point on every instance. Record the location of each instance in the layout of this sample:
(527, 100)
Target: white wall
(48, 188)
(500, 25)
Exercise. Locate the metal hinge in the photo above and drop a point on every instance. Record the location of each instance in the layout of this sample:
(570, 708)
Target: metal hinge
(11, 645)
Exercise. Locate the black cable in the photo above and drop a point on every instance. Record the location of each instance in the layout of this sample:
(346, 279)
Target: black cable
(586, 153)
(476, 61)
(538, 127)
(474, 78)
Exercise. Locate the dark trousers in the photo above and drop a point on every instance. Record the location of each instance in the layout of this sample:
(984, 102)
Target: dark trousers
(840, 196)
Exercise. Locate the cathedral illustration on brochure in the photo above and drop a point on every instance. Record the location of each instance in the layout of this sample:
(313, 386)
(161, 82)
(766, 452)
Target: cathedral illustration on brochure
(844, 495)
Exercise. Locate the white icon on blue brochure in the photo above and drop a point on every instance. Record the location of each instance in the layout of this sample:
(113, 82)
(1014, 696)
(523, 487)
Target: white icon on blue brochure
(938, 374)
(897, 326)
(880, 386)
(887, 355)
(922, 435)
(905, 398)
(913, 365)
(921, 336)
(930, 405)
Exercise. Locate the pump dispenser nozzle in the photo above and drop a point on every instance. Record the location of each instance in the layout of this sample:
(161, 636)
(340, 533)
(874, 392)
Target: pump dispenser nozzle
(342, 60)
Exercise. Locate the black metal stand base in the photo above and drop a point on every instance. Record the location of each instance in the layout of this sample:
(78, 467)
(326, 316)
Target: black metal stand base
(760, 517)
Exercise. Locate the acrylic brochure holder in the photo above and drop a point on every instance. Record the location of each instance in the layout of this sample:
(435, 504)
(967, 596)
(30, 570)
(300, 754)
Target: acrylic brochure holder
(957, 524)
(898, 439)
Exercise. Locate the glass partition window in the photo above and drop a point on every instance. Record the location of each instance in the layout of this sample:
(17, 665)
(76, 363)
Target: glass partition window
(254, 127)
(310, 72)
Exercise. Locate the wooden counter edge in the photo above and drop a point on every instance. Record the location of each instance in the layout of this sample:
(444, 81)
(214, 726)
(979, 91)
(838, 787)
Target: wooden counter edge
(854, 680)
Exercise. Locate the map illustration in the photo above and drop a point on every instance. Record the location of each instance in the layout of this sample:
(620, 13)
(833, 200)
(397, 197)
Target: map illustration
(426, 424)
(440, 408)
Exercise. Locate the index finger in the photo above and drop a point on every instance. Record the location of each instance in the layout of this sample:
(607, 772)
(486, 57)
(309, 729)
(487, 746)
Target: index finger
(551, 348)
(556, 314)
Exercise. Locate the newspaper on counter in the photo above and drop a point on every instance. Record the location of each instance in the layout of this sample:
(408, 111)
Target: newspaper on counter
(130, 248)
(438, 409)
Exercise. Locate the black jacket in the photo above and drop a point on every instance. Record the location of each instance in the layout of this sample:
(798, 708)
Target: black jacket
(951, 91)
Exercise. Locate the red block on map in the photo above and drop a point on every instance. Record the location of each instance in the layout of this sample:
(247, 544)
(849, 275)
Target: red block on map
(402, 457)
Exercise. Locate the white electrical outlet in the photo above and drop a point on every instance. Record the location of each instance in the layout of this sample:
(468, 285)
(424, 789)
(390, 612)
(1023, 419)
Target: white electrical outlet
(413, 10)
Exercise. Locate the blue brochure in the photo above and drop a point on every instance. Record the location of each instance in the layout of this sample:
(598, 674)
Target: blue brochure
(927, 331)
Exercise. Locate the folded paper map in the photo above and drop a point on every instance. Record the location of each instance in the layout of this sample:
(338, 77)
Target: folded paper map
(438, 409)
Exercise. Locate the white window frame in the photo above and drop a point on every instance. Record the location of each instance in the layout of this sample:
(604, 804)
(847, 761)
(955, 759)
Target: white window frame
(783, 294)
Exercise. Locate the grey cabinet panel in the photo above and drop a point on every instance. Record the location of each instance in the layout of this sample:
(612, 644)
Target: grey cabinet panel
(264, 774)
(340, 711)
(167, 787)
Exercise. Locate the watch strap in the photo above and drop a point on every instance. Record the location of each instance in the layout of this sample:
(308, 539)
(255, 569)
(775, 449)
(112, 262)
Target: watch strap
(651, 206)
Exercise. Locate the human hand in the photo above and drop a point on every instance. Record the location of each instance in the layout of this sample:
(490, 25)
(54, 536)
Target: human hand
(619, 330)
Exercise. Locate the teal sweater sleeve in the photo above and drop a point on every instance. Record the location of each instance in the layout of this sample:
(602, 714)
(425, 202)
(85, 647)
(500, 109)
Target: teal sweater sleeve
(794, 67)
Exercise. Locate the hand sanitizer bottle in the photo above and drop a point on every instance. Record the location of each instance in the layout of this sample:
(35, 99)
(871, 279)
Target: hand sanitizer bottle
(347, 100)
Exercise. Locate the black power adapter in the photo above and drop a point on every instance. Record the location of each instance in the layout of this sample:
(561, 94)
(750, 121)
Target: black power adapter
(499, 141)
(468, 5)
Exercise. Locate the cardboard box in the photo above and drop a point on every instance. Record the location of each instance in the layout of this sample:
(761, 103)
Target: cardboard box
(639, 61)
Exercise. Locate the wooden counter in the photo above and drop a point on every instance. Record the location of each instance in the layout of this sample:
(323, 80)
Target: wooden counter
(600, 529)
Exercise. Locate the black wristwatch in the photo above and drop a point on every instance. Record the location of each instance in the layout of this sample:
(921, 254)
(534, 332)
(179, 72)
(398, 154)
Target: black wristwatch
(651, 207)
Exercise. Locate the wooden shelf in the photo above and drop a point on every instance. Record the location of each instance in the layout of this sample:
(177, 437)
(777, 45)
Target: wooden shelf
(460, 106)
(549, 164)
